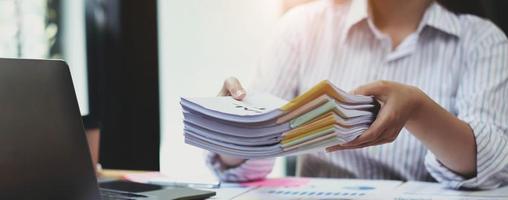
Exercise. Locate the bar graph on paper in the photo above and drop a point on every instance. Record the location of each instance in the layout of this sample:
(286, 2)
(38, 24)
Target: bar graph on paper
(322, 189)
(314, 194)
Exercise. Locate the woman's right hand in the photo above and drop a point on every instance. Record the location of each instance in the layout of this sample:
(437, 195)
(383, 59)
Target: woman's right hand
(232, 87)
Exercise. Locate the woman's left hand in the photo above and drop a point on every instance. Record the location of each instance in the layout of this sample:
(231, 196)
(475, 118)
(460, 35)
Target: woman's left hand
(398, 103)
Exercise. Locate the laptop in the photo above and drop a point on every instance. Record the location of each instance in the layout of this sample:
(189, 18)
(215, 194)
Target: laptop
(43, 149)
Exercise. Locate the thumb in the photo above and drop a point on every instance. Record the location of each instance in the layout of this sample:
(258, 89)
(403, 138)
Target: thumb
(376, 89)
(234, 87)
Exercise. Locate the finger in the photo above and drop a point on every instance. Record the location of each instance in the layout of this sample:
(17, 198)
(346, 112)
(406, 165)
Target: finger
(339, 147)
(387, 137)
(349, 146)
(372, 133)
(365, 137)
(377, 89)
(224, 92)
(234, 88)
(381, 140)
(334, 148)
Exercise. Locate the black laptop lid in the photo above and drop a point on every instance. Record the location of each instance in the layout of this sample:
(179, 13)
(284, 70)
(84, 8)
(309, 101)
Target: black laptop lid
(43, 150)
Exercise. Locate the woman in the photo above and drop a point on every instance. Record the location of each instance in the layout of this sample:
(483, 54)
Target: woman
(441, 79)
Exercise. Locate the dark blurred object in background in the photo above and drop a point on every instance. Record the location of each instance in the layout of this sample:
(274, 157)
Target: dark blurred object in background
(123, 66)
(490, 9)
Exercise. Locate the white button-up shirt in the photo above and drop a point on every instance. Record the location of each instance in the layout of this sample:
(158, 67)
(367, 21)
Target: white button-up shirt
(460, 61)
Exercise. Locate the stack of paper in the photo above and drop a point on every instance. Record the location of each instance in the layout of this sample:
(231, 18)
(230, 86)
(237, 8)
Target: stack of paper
(263, 126)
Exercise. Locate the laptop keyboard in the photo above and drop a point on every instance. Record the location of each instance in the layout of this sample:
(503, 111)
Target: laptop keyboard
(107, 194)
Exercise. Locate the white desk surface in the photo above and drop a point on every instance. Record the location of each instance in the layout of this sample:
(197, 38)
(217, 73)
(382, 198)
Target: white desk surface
(319, 188)
(356, 189)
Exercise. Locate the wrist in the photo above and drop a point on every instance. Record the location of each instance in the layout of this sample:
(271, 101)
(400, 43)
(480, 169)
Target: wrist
(420, 105)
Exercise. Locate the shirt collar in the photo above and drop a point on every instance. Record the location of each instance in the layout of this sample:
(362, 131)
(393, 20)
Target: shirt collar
(442, 19)
(358, 11)
(436, 16)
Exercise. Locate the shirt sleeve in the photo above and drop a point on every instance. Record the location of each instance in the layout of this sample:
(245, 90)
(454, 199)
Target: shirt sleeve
(481, 102)
(250, 170)
(277, 74)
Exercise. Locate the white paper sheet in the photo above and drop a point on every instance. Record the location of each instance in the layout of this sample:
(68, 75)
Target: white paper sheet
(434, 191)
(323, 189)
(249, 128)
(253, 104)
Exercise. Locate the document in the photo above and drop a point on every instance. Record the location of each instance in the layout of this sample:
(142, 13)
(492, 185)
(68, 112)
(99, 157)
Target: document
(295, 188)
(262, 125)
(434, 191)
(320, 188)
(253, 108)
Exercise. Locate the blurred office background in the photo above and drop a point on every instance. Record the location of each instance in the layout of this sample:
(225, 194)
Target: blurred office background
(131, 61)
(44, 29)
